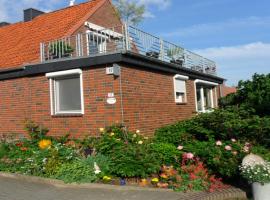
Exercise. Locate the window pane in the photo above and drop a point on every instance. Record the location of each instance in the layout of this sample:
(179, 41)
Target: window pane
(180, 86)
(68, 94)
(207, 98)
(199, 99)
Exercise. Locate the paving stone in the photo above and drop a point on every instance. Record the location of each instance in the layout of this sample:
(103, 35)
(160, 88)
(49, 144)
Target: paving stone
(17, 187)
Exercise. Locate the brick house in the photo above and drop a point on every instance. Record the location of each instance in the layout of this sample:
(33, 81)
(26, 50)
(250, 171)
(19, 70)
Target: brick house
(77, 69)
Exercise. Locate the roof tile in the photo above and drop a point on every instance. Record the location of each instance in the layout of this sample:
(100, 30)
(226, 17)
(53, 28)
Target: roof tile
(20, 42)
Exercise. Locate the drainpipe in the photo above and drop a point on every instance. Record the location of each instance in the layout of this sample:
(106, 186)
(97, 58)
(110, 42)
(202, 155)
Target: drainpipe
(121, 96)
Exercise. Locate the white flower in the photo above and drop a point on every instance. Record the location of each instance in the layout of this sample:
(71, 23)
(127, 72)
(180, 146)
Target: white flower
(140, 142)
(134, 135)
(228, 148)
(218, 143)
(137, 131)
(180, 147)
(97, 169)
(233, 140)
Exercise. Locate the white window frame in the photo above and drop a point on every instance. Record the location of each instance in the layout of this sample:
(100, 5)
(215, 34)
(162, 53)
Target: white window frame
(182, 78)
(102, 46)
(207, 83)
(52, 76)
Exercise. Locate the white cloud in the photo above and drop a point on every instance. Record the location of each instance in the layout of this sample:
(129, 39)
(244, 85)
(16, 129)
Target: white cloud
(12, 10)
(239, 62)
(214, 28)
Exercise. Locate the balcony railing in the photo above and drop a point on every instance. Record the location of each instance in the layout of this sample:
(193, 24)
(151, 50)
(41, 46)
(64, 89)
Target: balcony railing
(123, 39)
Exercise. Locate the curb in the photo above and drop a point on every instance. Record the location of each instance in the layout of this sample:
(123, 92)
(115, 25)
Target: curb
(61, 184)
(225, 194)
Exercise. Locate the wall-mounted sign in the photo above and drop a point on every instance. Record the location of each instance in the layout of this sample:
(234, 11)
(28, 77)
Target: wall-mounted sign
(111, 99)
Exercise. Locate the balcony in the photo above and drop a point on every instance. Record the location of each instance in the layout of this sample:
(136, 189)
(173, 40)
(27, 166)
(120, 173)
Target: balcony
(98, 41)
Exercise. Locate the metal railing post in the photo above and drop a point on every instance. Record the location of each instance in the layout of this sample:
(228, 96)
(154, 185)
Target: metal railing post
(126, 37)
(161, 49)
(42, 49)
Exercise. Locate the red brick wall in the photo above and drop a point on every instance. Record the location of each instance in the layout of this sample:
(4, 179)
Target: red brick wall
(148, 102)
(105, 17)
(28, 98)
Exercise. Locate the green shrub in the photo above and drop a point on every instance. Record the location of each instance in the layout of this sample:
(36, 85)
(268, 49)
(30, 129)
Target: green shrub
(253, 93)
(130, 153)
(218, 160)
(174, 134)
(82, 170)
(167, 153)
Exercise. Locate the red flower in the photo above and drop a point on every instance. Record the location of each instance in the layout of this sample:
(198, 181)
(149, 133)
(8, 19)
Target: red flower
(24, 148)
(19, 144)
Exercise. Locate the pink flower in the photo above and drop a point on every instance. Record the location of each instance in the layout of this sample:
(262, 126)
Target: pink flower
(228, 148)
(246, 149)
(189, 155)
(180, 147)
(233, 140)
(218, 143)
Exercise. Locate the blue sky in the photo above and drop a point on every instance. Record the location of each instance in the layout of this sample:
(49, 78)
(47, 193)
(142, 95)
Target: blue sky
(234, 33)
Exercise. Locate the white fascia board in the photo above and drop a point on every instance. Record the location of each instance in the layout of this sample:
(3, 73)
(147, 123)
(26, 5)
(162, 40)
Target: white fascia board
(206, 82)
(182, 77)
(63, 73)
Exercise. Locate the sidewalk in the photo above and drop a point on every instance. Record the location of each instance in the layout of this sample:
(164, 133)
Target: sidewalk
(18, 187)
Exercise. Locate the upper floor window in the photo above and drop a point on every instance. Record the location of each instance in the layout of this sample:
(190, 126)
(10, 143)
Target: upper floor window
(180, 91)
(66, 92)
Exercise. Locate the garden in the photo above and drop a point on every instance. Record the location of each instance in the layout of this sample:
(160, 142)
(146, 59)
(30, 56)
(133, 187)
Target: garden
(204, 153)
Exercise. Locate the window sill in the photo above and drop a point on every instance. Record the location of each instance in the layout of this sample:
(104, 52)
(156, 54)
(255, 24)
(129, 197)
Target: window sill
(181, 103)
(67, 115)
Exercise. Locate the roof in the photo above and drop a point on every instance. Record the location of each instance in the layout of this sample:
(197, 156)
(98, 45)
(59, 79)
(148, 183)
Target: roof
(20, 42)
(228, 90)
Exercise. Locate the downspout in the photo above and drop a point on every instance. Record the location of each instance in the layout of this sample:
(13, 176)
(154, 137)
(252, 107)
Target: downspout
(121, 97)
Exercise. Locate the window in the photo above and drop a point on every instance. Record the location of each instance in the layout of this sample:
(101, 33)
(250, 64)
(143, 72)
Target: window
(204, 95)
(66, 92)
(96, 42)
(180, 92)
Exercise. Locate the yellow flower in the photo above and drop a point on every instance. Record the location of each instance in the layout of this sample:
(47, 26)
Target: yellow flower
(101, 129)
(44, 144)
(155, 180)
(107, 178)
(146, 138)
(140, 142)
(112, 134)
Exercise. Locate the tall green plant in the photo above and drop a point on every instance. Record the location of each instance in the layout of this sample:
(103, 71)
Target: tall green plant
(254, 93)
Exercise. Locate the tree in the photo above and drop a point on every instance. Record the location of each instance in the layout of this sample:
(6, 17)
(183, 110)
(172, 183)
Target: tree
(130, 12)
(253, 94)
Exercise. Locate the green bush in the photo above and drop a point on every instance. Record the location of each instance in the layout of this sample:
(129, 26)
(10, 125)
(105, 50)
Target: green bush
(218, 160)
(174, 134)
(167, 153)
(130, 153)
(82, 170)
(253, 93)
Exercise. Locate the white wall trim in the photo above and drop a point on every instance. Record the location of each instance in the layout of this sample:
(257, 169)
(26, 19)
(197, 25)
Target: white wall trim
(54, 93)
(205, 82)
(63, 73)
(213, 100)
(183, 78)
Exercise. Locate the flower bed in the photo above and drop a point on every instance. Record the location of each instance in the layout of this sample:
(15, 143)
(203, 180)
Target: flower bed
(117, 157)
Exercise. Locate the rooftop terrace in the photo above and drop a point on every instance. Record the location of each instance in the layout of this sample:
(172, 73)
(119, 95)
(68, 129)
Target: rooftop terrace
(99, 40)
